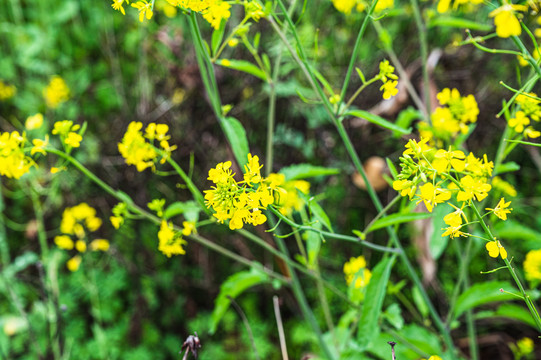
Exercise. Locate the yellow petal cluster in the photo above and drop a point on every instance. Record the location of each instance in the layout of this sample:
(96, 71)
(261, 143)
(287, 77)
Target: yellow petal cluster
(56, 92)
(138, 149)
(240, 202)
(77, 221)
(355, 272)
(14, 163)
(532, 265)
(7, 91)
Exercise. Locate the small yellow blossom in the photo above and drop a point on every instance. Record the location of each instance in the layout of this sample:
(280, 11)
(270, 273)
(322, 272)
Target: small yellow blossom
(432, 195)
(80, 245)
(217, 11)
(145, 9)
(389, 89)
(7, 91)
(188, 227)
(74, 263)
(56, 92)
(117, 5)
(496, 249)
(344, 6)
(13, 161)
(170, 241)
(73, 139)
(532, 265)
(473, 188)
(519, 121)
(39, 145)
(99, 245)
(63, 242)
(116, 221)
(355, 271)
(501, 210)
(34, 122)
(506, 21)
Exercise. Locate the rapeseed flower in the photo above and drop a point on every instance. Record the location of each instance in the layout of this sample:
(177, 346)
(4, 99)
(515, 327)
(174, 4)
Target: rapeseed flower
(34, 122)
(67, 132)
(532, 265)
(14, 163)
(355, 272)
(117, 5)
(501, 210)
(56, 92)
(496, 249)
(145, 9)
(519, 121)
(7, 91)
(506, 21)
(77, 222)
(170, 240)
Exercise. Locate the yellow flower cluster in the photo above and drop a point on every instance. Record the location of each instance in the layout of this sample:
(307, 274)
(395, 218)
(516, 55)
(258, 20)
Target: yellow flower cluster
(240, 202)
(56, 92)
(433, 176)
(530, 109)
(355, 272)
(389, 79)
(6, 91)
(445, 5)
(346, 6)
(532, 265)
(76, 221)
(453, 116)
(138, 149)
(289, 198)
(67, 132)
(14, 163)
(170, 240)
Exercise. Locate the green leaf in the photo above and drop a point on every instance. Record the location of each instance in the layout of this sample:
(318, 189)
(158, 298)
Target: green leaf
(317, 211)
(507, 167)
(450, 21)
(244, 66)
(510, 311)
(190, 209)
(371, 309)
(236, 135)
(437, 243)
(391, 167)
(20, 263)
(483, 293)
(232, 287)
(513, 230)
(303, 171)
(407, 116)
(322, 80)
(374, 119)
(393, 314)
(398, 218)
(217, 37)
(420, 303)
(313, 245)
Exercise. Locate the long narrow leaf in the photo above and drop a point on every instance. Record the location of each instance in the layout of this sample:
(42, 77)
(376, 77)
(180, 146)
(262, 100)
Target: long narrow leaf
(236, 135)
(374, 119)
(400, 218)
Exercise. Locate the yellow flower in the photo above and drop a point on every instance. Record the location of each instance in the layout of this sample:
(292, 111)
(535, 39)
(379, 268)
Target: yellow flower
(56, 92)
(145, 9)
(116, 221)
(506, 21)
(63, 242)
(13, 161)
(6, 91)
(99, 245)
(217, 11)
(454, 220)
(34, 122)
(532, 265)
(445, 158)
(73, 139)
(252, 172)
(117, 5)
(80, 245)
(344, 6)
(496, 249)
(355, 270)
(531, 133)
(501, 210)
(406, 187)
(188, 227)
(504, 186)
(473, 188)
(39, 145)
(389, 89)
(519, 121)
(75, 217)
(431, 195)
(74, 263)
(135, 149)
(170, 241)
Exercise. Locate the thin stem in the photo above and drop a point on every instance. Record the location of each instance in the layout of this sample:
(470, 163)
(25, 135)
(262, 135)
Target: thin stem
(527, 299)
(42, 235)
(355, 51)
(334, 235)
(279, 324)
(424, 54)
(382, 213)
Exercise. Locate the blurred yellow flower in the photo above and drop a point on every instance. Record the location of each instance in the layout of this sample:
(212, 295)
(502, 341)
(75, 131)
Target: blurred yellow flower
(56, 92)
(6, 91)
(34, 122)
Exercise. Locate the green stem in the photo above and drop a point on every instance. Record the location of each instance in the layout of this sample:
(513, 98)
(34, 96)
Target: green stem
(334, 235)
(527, 299)
(356, 47)
(381, 213)
(424, 54)
(42, 235)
